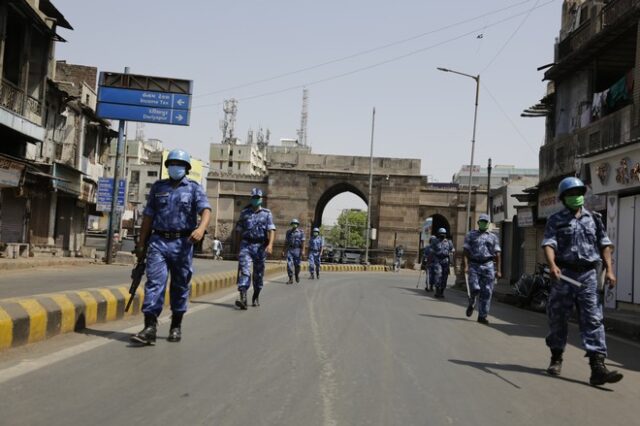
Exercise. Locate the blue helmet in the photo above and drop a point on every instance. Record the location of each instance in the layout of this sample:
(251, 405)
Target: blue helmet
(570, 183)
(442, 231)
(484, 217)
(294, 222)
(179, 155)
(316, 230)
(256, 192)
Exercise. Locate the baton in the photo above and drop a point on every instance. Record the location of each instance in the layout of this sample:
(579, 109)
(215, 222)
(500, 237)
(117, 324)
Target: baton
(566, 279)
(419, 277)
(466, 281)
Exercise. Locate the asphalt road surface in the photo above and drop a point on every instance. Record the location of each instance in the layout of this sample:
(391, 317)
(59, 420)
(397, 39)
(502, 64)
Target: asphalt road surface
(28, 282)
(350, 349)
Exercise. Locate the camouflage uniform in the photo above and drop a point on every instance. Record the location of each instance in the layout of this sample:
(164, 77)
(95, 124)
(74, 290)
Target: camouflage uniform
(440, 250)
(482, 248)
(175, 215)
(315, 247)
(295, 241)
(577, 243)
(253, 227)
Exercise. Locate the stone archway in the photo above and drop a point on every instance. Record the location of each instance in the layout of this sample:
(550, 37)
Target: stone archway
(439, 221)
(332, 192)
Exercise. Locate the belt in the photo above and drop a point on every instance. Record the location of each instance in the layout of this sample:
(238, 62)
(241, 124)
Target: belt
(482, 261)
(254, 240)
(172, 235)
(578, 267)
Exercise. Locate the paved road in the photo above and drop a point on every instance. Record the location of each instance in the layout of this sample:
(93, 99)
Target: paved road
(351, 349)
(28, 282)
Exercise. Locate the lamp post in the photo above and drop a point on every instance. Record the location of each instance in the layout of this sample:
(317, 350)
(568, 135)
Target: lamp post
(473, 139)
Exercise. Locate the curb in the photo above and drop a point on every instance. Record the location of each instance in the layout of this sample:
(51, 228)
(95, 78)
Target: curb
(33, 319)
(31, 263)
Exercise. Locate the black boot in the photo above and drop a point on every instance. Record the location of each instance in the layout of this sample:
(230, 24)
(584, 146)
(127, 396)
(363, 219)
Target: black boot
(599, 372)
(318, 274)
(242, 300)
(442, 293)
(255, 301)
(148, 334)
(175, 333)
(290, 280)
(472, 305)
(427, 289)
(297, 273)
(555, 367)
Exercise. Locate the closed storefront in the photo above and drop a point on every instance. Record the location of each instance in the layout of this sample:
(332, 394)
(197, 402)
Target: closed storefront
(616, 175)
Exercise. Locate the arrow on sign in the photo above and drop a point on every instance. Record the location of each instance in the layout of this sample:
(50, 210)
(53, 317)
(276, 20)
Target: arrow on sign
(179, 117)
(180, 102)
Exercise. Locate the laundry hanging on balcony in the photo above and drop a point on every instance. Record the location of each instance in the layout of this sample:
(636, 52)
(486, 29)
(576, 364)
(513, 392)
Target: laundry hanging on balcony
(611, 99)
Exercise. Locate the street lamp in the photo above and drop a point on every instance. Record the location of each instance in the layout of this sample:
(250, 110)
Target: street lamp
(473, 140)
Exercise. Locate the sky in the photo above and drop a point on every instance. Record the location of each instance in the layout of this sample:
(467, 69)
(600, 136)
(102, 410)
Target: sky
(392, 50)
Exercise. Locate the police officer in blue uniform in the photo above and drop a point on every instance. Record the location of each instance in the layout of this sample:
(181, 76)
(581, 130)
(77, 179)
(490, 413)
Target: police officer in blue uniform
(575, 243)
(169, 230)
(256, 231)
(427, 259)
(440, 251)
(483, 265)
(294, 250)
(397, 263)
(316, 246)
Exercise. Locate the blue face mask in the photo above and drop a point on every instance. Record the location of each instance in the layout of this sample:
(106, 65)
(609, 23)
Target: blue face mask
(256, 202)
(177, 172)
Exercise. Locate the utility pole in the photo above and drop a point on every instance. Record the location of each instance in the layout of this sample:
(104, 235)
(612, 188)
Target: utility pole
(370, 204)
(117, 172)
(489, 188)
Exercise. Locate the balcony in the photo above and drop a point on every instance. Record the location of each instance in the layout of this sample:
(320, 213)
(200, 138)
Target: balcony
(576, 39)
(557, 158)
(616, 9)
(14, 99)
(91, 170)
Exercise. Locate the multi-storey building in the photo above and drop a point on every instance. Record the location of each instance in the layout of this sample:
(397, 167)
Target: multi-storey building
(237, 159)
(593, 125)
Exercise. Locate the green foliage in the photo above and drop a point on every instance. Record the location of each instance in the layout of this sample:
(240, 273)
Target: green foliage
(349, 231)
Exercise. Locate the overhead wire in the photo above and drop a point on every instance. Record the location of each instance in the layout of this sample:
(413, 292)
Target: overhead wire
(363, 52)
(377, 64)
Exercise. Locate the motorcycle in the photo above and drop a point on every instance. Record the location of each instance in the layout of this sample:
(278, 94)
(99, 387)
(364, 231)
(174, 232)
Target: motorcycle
(533, 290)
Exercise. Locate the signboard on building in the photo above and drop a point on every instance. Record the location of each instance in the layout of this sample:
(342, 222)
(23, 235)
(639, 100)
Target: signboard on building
(10, 172)
(614, 172)
(467, 168)
(548, 203)
(105, 195)
(525, 217)
(144, 98)
(68, 180)
(196, 173)
(497, 208)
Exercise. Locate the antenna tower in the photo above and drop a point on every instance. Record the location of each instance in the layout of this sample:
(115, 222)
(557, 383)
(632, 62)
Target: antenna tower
(228, 125)
(302, 132)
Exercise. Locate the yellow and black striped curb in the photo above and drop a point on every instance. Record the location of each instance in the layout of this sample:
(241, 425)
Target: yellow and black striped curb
(32, 319)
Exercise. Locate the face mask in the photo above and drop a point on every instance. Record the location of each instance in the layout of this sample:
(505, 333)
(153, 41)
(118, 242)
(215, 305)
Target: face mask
(315, 234)
(294, 226)
(483, 226)
(574, 202)
(256, 202)
(177, 172)
(441, 237)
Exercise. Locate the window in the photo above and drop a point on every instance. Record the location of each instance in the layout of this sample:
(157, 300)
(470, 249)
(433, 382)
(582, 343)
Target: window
(152, 173)
(230, 163)
(148, 185)
(238, 166)
(135, 176)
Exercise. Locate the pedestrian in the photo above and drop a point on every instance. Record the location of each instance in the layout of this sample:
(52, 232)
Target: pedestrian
(575, 244)
(256, 232)
(294, 250)
(217, 248)
(440, 250)
(483, 265)
(169, 230)
(316, 247)
(397, 262)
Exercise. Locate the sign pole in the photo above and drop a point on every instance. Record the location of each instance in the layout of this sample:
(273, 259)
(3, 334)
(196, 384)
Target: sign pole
(116, 186)
(370, 201)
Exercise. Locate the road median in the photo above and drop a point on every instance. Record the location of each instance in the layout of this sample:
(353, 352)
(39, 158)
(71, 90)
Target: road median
(32, 319)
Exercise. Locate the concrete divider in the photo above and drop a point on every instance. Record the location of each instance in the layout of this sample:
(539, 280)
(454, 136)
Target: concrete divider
(32, 319)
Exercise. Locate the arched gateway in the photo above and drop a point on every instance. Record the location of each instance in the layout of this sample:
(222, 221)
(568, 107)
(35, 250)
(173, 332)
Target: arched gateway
(301, 184)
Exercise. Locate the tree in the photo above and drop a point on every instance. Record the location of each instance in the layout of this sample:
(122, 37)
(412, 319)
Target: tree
(349, 230)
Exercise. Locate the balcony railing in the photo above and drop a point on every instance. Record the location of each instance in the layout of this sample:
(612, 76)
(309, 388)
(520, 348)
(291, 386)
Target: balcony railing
(557, 158)
(576, 39)
(14, 99)
(616, 9)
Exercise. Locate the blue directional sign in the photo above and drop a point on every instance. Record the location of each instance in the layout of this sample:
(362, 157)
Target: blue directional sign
(105, 195)
(146, 98)
(150, 115)
(129, 97)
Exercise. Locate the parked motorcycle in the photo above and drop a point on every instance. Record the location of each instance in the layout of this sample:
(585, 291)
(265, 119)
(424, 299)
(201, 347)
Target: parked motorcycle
(533, 290)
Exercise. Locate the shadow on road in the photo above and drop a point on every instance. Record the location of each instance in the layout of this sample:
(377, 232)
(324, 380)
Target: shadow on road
(414, 291)
(460, 318)
(224, 305)
(490, 369)
(111, 335)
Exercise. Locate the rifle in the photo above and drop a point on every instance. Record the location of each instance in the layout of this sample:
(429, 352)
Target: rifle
(136, 276)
